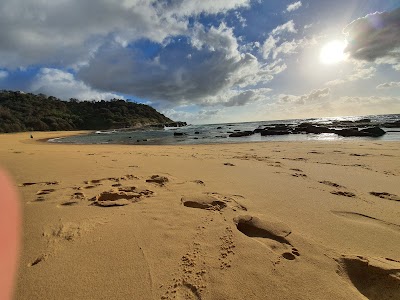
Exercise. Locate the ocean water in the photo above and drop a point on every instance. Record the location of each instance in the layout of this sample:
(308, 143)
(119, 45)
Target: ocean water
(219, 133)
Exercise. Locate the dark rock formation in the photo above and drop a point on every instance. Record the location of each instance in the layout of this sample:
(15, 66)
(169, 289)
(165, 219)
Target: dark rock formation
(240, 134)
(175, 124)
(373, 131)
(395, 124)
(274, 132)
(179, 134)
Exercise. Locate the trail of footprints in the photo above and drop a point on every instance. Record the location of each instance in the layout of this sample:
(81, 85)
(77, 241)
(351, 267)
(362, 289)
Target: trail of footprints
(249, 225)
(191, 283)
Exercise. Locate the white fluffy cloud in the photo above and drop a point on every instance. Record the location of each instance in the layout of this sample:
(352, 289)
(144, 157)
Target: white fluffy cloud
(287, 27)
(388, 85)
(208, 66)
(310, 98)
(294, 6)
(68, 33)
(375, 37)
(361, 71)
(202, 116)
(3, 74)
(62, 84)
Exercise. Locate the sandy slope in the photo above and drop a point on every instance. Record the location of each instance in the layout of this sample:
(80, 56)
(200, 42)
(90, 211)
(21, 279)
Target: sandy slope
(248, 221)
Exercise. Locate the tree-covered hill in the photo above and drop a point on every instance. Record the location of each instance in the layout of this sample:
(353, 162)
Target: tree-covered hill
(28, 112)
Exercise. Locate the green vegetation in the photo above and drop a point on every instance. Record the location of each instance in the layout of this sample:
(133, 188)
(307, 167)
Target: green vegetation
(28, 112)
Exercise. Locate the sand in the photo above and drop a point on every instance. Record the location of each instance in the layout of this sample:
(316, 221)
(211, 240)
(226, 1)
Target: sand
(273, 220)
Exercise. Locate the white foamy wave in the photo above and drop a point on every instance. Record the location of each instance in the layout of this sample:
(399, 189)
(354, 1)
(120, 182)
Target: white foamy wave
(55, 140)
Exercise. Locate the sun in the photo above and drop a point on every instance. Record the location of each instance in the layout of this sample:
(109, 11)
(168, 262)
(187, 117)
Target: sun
(333, 52)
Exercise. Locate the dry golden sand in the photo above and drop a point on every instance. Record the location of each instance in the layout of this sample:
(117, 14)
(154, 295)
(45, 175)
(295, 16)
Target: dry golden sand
(275, 220)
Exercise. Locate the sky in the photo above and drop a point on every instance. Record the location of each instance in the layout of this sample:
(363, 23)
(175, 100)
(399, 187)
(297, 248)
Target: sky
(208, 61)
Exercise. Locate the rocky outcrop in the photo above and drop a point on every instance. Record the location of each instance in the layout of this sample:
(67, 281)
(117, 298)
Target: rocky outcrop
(175, 124)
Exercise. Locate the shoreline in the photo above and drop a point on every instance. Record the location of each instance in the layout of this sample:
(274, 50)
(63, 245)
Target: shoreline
(317, 214)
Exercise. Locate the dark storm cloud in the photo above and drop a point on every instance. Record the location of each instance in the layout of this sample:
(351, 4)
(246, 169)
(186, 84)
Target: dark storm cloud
(375, 36)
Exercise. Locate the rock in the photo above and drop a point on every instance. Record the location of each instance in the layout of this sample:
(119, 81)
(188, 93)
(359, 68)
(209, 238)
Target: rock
(317, 129)
(236, 130)
(197, 132)
(219, 127)
(395, 124)
(373, 131)
(179, 133)
(240, 134)
(175, 124)
(274, 132)
(258, 130)
(349, 132)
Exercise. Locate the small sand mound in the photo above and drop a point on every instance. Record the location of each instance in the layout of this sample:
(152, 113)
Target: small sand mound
(203, 202)
(255, 227)
(375, 278)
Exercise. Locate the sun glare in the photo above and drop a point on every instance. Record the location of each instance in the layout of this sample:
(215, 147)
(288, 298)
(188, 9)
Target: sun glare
(333, 52)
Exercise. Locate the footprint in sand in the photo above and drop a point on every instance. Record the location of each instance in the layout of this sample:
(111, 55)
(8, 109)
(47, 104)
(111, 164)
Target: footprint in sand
(203, 202)
(212, 201)
(160, 180)
(330, 183)
(200, 182)
(44, 183)
(386, 196)
(299, 175)
(254, 227)
(187, 291)
(345, 194)
(375, 278)
(229, 164)
(45, 192)
(120, 197)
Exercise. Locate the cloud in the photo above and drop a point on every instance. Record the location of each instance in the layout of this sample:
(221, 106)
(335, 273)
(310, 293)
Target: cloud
(214, 68)
(68, 33)
(287, 27)
(361, 71)
(285, 48)
(268, 46)
(202, 116)
(238, 97)
(375, 36)
(388, 85)
(294, 6)
(310, 98)
(3, 74)
(63, 85)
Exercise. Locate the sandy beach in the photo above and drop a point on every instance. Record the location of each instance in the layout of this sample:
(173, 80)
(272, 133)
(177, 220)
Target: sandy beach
(273, 220)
